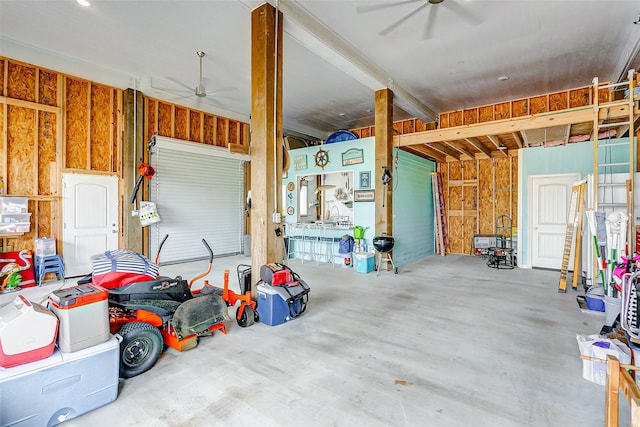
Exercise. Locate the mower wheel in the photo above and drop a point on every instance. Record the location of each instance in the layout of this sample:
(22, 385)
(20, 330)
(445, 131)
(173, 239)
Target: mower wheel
(247, 318)
(140, 348)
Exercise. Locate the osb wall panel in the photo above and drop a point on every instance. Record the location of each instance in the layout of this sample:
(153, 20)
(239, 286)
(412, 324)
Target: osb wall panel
(456, 230)
(77, 123)
(520, 108)
(470, 116)
(234, 134)
(23, 82)
(100, 130)
(222, 132)
(408, 126)
(455, 170)
(151, 122)
(209, 129)
(181, 123)
(468, 231)
(44, 209)
(558, 101)
(503, 186)
(469, 170)
(514, 190)
(117, 119)
(21, 133)
(48, 88)
(485, 114)
(2, 63)
(478, 201)
(485, 196)
(502, 110)
(195, 124)
(47, 128)
(367, 132)
(2, 153)
(455, 201)
(579, 97)
(164, 120)
(539, 105)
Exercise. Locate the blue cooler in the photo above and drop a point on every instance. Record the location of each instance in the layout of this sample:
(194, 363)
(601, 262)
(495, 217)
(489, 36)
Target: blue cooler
(279, 304)
(364, 262)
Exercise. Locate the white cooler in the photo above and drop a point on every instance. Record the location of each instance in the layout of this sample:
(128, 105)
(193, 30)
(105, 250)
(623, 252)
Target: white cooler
(27, 332)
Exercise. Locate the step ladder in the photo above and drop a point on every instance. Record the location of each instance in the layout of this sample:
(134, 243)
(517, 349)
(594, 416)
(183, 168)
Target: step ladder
(442, 234)
(609, 160)
(574, 229)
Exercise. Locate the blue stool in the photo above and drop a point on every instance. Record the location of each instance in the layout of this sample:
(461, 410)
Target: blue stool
(49, 264)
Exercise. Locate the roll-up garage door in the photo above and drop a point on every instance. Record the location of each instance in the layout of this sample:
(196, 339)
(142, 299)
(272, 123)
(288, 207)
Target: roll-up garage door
(199, 193)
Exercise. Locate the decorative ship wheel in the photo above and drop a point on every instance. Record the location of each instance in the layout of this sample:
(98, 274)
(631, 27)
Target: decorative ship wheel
(321, 158)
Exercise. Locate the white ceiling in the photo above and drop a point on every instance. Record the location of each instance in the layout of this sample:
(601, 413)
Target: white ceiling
(334, 54)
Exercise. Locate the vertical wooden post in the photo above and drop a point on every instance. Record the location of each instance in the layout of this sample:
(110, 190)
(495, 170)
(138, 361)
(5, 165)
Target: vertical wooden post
(612, 386)
(266, 137)
(384, 157)
(133, 118)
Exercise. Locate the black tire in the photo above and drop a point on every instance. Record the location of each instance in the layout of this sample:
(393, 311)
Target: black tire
(247, 318)
(140, 348)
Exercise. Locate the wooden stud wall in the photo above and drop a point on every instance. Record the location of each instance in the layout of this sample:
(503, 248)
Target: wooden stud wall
(572, 98)
(175, 121)
(476, 193)
(52, 123)
(399, 127)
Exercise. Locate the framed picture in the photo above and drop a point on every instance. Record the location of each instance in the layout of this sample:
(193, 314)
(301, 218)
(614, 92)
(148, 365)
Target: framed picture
(353, 156)
(365, 179)
(364, 195)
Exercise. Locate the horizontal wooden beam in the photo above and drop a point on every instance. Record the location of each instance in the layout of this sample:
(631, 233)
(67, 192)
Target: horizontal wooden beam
(29, 104)
(479, 145)
(444, 150)
(498, 127)
(423, 150)
(238, 149)
(496, 141)
(459, 147)
(516, 136)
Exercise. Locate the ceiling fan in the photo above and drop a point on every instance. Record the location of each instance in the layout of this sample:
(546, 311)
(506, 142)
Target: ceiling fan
(433, 10)
(200, 92)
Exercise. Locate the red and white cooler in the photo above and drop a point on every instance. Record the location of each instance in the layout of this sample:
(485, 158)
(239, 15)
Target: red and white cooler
(27, 332)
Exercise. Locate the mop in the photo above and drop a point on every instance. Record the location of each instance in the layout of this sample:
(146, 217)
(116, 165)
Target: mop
(598, 233)
(616, 225)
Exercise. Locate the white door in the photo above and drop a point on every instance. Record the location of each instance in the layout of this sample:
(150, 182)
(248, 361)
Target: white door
(90, 214)
(549, 197)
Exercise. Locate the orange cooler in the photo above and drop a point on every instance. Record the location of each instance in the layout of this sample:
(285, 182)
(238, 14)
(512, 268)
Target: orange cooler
(84, 316)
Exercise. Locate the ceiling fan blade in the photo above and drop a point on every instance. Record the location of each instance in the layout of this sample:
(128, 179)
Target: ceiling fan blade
(176, 81)
(396, 24)
(374, 7)
(464, 12)
(431, 20)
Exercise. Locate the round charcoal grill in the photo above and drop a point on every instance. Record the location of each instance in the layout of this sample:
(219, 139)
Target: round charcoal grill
(384, 245)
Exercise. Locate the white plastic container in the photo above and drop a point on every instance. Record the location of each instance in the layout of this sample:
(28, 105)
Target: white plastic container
(60, 387)
(45, 246)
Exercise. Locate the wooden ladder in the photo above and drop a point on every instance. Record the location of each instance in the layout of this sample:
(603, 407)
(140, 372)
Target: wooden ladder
(442, 235)
(574, 228)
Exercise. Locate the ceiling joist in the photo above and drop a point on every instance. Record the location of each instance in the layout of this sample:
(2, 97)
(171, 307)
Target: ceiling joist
(496, 141)
(479, 145)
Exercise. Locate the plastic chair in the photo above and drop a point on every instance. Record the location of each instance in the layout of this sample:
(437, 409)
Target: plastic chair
(49, 264)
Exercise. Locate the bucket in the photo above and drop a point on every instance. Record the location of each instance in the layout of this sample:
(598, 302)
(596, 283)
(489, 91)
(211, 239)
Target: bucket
(612, 308)
(358, 232)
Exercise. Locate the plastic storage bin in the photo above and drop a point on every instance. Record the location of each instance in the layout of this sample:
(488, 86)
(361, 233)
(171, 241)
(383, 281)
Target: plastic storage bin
(45, 246)
(84, 316)
(60, 387)
(364, 262)
(13, 205)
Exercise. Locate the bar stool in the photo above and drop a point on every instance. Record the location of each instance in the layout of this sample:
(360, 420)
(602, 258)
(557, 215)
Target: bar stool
(49, 264)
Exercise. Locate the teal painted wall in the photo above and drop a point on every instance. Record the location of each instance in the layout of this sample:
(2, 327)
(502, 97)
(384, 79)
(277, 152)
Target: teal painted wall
(363, 212)
(570, 158)
(413, 216)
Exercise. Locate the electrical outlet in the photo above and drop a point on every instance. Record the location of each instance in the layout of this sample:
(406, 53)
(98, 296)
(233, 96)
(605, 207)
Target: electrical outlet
(277, 217)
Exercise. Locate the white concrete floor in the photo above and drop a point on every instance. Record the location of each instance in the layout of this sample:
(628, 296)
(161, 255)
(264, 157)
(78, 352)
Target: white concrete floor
(446, 342)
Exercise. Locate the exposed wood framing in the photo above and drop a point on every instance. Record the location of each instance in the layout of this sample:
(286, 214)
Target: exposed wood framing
(384, 153)
(479, 145)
